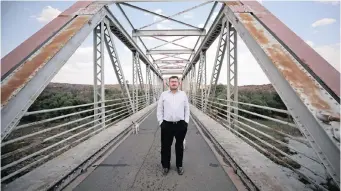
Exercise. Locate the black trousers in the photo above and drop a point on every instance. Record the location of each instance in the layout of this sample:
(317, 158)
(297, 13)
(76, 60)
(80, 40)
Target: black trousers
(169, 130)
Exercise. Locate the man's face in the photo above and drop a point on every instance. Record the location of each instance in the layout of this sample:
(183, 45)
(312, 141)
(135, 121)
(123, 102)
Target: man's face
(173, 83)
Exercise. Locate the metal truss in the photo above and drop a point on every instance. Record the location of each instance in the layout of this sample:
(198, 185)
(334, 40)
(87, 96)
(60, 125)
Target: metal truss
(135, 81)
(99, 88)
(169, 42)
(28, 69)
(201, 80)
(174, 32)
(159, 62)
(223, 41)
(192, 88)
(232, 75)
(109, 41)
(301, 89)
(155, 96)
(171, 51)
(150, 12)
(210, 37)
(177, 14)
(148, 84)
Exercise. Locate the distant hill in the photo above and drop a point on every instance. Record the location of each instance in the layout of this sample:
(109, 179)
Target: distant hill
(65, 87)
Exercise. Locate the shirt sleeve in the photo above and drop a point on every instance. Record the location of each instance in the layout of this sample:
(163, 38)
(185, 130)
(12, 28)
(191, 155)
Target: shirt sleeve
(186, 108)
(159, 113)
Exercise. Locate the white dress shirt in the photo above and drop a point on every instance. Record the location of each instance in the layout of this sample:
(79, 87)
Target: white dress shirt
(173, 107)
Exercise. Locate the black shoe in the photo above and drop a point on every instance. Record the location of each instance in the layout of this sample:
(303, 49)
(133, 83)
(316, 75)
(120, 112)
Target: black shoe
(165, 171)
(180, 170)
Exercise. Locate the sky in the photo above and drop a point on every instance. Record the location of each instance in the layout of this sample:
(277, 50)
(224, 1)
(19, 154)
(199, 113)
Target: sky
(316, 22)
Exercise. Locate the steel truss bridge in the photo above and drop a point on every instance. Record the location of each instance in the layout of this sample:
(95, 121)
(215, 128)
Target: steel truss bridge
(93, 148)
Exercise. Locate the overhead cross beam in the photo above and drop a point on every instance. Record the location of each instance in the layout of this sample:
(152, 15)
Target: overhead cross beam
(174, 32)
(169, 42)
(171, 62)
(168, 18)
(170, 51)
(179, 13)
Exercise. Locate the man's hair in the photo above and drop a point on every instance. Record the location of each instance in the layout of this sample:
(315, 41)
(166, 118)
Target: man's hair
(173, 77)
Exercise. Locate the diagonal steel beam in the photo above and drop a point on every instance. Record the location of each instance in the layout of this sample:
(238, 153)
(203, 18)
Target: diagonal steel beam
(126, 39)
(170, 42)
(210, 37)
(168, 18)
(170, 51)
(20, 89)
(125, 15)
(115, 61)
(223, 40)
(179, 13)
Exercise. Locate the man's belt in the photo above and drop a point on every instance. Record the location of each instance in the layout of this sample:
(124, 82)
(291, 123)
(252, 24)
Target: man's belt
(172, 122)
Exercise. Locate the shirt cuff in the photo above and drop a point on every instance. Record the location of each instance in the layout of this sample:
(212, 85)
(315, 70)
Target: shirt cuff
(160, 122)
(186, 121)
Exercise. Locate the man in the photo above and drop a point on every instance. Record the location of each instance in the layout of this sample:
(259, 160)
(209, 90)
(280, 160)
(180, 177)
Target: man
(173, 117)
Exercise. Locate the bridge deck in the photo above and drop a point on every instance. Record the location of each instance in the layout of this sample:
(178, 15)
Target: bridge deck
(135, 165)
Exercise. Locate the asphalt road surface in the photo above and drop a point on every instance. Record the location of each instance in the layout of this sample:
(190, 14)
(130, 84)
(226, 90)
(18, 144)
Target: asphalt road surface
(136, 165)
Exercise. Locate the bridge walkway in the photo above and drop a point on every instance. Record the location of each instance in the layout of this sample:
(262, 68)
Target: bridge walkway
(135, 165)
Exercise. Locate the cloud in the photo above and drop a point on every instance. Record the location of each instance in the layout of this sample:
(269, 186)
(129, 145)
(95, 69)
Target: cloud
(47, 14)
(329, 2)
(322, 22)
(201, 25)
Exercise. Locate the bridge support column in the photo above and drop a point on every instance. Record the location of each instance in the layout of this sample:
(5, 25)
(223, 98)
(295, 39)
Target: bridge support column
(115, 61)
(135, 79)
(99, 93)
(218, 60)
(147, 89)
(232, 76)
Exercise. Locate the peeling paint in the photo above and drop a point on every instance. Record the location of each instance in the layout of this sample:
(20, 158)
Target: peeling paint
(298, 78)
(304, 85)
(32, 65)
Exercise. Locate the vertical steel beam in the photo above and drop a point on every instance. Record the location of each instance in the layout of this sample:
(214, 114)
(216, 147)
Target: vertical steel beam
(135, 78)
(109, 41)
(232, 83)
(224, 36)
(99, 96)
(193, 89)
(147, 89)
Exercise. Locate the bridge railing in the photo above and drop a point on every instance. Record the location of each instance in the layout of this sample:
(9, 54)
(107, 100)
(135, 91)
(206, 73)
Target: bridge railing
(34, 142)
(277, 138)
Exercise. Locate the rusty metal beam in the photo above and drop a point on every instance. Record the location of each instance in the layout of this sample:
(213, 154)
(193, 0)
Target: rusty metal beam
(17, 56)
(23, 86)
(310, 59)
(299, 90)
